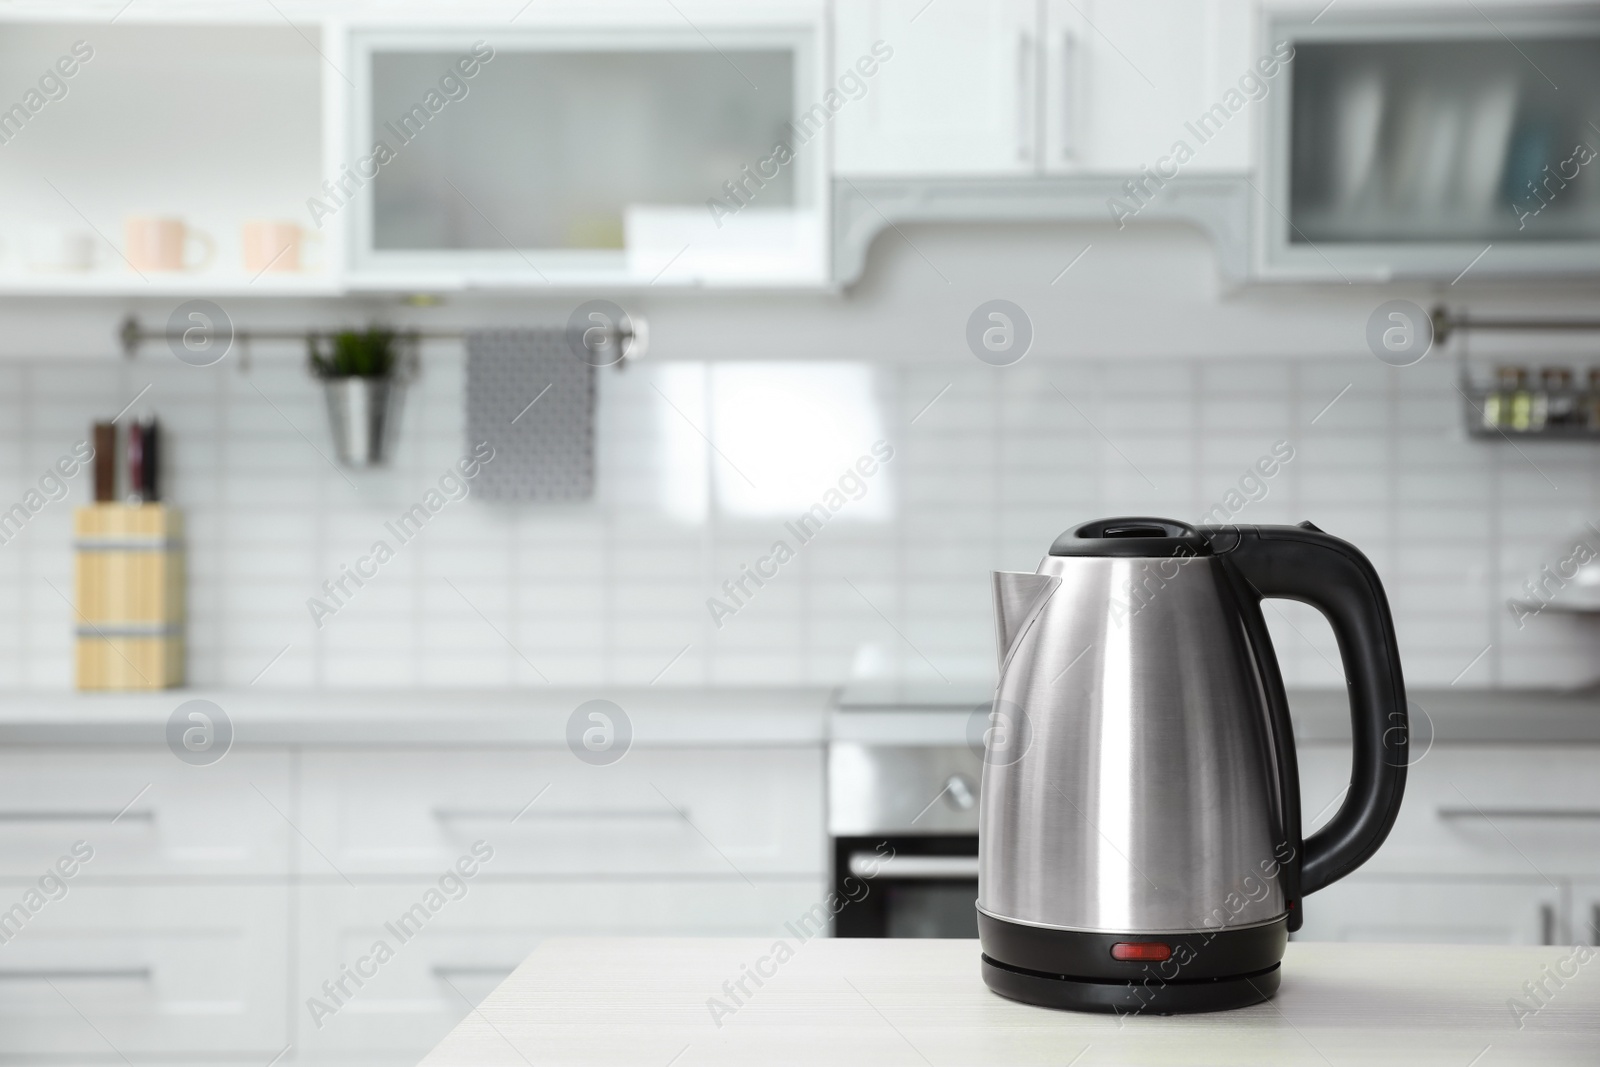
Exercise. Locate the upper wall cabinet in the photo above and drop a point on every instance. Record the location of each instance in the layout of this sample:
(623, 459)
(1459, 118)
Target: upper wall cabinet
(572, 155)
(140, 159)
(330, 147)
(1424, 144)
(1025, 87)
(956, 91)
(1125, 81)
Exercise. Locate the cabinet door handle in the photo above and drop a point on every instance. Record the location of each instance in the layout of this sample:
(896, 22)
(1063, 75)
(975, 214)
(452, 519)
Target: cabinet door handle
(447, 971)
(913, 868)
(507, 814)
(75, 974)
(1024, 96)
(64, 815)
(1547, 924)
(1519, 813)
(1594, 924)
(1069, 117)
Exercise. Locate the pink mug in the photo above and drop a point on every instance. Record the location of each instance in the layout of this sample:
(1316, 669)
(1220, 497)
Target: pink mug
(272, 247)
(159, 244)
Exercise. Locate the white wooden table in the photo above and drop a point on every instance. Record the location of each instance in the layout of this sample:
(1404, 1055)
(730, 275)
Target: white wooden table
(644, 1002)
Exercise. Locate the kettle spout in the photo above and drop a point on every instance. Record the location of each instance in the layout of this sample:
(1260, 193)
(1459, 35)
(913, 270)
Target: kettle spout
(1018, 597)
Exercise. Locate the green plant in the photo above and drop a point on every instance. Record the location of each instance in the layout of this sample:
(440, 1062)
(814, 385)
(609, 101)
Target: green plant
(369, 353)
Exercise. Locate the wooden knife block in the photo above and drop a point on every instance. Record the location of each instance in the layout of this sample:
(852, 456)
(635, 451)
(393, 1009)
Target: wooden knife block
(130, 596)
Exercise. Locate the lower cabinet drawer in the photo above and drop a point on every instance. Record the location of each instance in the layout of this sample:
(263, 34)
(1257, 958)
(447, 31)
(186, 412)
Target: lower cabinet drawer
(145, 812)
(1513, 811)
(131, 971)
(673, 812)
(440, 956)
(1434, 911)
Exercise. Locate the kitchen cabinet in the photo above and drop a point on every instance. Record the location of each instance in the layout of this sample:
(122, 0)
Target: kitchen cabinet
(647, 153)
(1125, 80)
(1493, 844)
(1055, 87)
(708, 812)
(144, 813)
(1440, 911)
(214, 122)
(1416, 145)
(190, 970)
(473, 943)
(957, 96)
(223, 897)
(202, 930)
(1465, 805)
(617, 144)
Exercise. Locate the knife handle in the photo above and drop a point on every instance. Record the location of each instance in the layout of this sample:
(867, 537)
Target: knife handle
(105, 462)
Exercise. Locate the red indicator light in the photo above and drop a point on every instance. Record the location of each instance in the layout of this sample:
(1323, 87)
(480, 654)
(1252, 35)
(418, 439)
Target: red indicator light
(1141, 951)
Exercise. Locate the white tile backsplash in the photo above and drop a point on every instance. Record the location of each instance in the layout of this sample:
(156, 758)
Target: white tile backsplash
(614, 590)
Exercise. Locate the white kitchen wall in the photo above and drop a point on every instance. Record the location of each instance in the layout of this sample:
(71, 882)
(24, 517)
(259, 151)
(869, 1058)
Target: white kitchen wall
(614, 591)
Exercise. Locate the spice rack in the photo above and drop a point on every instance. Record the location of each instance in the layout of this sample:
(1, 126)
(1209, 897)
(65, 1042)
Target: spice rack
(1547, 401)
(1544, 402)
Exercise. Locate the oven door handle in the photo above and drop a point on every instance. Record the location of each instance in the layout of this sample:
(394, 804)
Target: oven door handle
(913, 868)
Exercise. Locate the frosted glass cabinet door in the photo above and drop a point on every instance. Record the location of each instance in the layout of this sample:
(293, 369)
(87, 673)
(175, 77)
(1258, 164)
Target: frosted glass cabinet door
(956, 95)
(1416, 148)
(1446, 140)
(559, 156)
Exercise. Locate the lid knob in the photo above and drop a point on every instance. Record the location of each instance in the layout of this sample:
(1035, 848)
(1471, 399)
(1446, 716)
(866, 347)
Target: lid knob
(1131, 536)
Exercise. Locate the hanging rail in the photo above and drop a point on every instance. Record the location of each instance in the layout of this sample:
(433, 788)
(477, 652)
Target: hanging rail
(1444, 324)
(631, 339)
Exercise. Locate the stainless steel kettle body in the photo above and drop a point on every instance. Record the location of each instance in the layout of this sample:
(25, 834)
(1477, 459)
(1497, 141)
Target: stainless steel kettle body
(1139, 834)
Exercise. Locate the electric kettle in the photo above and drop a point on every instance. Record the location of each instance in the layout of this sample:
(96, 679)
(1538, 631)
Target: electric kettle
(1139, 842)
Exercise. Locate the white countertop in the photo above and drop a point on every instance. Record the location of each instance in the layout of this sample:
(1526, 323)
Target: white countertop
(683, 716)
(837, 1002)
(425, 717)
(1444, 716)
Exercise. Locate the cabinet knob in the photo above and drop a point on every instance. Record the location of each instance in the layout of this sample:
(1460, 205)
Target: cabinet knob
(958, 792)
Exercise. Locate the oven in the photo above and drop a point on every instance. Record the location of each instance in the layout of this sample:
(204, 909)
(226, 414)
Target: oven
(903, 819)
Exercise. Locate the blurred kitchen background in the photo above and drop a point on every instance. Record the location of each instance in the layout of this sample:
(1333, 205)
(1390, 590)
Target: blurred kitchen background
(680, 266)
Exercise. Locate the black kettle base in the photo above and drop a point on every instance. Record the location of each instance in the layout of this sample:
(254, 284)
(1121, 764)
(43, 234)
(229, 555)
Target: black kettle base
(1207, 970)
(1131, 998)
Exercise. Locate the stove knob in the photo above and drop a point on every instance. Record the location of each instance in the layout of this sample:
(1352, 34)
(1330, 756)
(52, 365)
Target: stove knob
(958, 792)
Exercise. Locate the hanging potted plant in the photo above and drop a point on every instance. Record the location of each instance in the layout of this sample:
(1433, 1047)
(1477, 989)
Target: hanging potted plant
(364, 379)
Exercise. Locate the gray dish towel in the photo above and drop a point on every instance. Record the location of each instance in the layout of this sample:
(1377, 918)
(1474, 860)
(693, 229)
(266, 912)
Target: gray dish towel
(542, 452)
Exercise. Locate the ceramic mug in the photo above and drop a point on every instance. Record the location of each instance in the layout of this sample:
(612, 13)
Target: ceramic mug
(59, 248)
(272, 247)
(156, 243)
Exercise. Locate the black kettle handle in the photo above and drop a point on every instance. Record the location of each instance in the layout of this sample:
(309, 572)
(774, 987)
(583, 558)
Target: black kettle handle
(1303, 563)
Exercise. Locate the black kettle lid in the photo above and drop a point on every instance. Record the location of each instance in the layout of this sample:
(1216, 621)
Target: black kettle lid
(1137, 536)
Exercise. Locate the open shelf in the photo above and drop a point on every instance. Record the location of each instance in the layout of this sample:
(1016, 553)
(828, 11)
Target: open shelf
(211, 124)
(163, 285)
